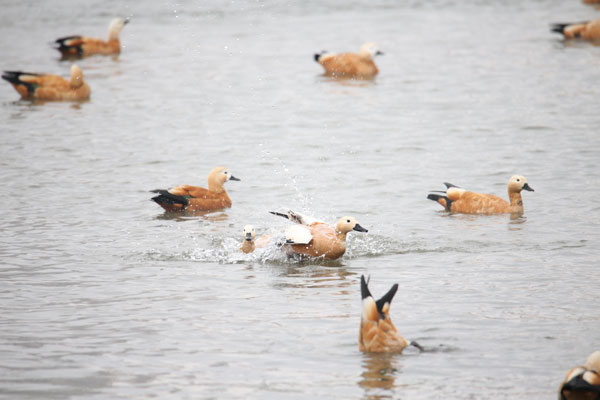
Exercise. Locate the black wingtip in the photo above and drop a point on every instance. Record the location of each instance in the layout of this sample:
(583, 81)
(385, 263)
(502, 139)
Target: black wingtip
(434, 197)
(317, 56)
(449, 185)
(558, 28)
(279, 214)
(165, 197)
(387, 298)
(364, 288)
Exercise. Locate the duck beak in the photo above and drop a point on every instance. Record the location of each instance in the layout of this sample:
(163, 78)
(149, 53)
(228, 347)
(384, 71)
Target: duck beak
(359, 228)
(249, 236)
(379, 53)
(527, 187)
(233, 178)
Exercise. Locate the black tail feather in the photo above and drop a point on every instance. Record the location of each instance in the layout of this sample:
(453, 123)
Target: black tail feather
(318, 55)
(437, 197)
(14, 77)
(364, 288)
(387, 298)
(165, 197)
(449, 185)
(560, 27)
(65, 48)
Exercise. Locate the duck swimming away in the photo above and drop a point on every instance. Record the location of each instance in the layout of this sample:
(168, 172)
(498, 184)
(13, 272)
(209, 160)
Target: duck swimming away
(195, 198)
(314, 238)
(351, 65)
(377, 333)
(589, 30)
(33, 86)
(458, 200)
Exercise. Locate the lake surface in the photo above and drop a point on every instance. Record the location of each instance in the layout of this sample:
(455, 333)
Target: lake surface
(102, 296)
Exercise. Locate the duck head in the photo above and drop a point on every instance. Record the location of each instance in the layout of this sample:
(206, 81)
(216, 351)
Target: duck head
(347, 224)
(114, 29)
(369, 50)
(76, 76)
(249, 233)
(518, 183)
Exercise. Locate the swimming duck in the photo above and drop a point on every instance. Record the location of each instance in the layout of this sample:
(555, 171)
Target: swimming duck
(589, 30)
(350, 65)
(81, 46)
(377, 331)
(463, 201)
(582, 383)
(315, 238)
(33, 86)
(194, 198)
(249, 244)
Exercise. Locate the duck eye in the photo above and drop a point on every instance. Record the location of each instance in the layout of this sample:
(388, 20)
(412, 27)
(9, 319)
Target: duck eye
(518, 180)
(348, 221)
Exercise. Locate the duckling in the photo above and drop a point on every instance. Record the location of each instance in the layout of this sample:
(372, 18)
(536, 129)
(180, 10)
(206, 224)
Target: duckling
(377, 332)
(81, 46)
(194, 198)
(582, 383)
(351, 65)
(463, 201)
(588, 30)
(315, 238)
(33, 86)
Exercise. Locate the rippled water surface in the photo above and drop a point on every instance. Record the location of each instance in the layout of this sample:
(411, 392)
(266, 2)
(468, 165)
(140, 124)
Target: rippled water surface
(105, 297)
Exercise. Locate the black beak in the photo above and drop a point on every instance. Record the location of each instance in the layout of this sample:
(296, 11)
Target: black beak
(359, 228)
(126, 21)
(527, 187)
(249, 236)
(379, 53)
(233, 178)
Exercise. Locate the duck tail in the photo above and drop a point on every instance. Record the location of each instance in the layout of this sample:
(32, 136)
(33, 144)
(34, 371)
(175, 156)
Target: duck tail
(443, 200)
(69, 46)
(169, 201)
(558, 28)
(14, 77)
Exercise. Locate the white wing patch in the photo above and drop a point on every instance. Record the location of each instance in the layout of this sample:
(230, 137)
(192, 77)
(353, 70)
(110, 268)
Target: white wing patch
(298, 234)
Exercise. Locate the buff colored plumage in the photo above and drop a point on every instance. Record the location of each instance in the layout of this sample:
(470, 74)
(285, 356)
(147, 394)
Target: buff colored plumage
(377, 332)
(583, 382)
(351, 65)
(33, 86)
(194, 198)
(459, 200)
(317, 239)
(81, 46)
(250, 243)
(589, 30)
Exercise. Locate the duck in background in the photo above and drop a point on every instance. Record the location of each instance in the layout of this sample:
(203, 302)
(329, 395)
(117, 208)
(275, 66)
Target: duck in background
(82, 46)
(350, 65)
(459, 200)
(195, 198)
(589, 30)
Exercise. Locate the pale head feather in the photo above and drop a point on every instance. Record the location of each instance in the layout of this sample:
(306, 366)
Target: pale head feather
(76, 76)
(368, 50)
(516, 183)
(346, 224)
(114, 29)
(249, 229)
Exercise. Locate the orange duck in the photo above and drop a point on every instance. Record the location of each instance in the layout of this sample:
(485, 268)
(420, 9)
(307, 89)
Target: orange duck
(249, 244)
(81, 46)
(377, 331)
(194, 198)
(315, 238)
(351, 65)
(32, 86)
(463, 201)
(582, 383)
(589, 30)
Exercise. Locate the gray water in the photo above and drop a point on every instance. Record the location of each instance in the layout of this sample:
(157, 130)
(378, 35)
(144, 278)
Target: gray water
(102, 296)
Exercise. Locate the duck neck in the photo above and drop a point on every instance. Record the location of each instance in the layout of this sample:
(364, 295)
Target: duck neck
(248, 246)
(516, 201)
(341, 235)
(215, 187)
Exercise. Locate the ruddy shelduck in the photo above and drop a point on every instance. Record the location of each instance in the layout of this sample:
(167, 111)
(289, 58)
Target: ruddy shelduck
(582, 383)
(32, 86)
(315, 238)
(589, 30)
(250, 243)
(194, 198)
(377, 332)
(351, 65)
(459, 200)
(81, 46)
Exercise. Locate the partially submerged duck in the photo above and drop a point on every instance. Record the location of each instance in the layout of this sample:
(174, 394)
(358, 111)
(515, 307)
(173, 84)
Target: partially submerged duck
(583, 382)
(377, 332)
(249, 244)
(588, 30)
